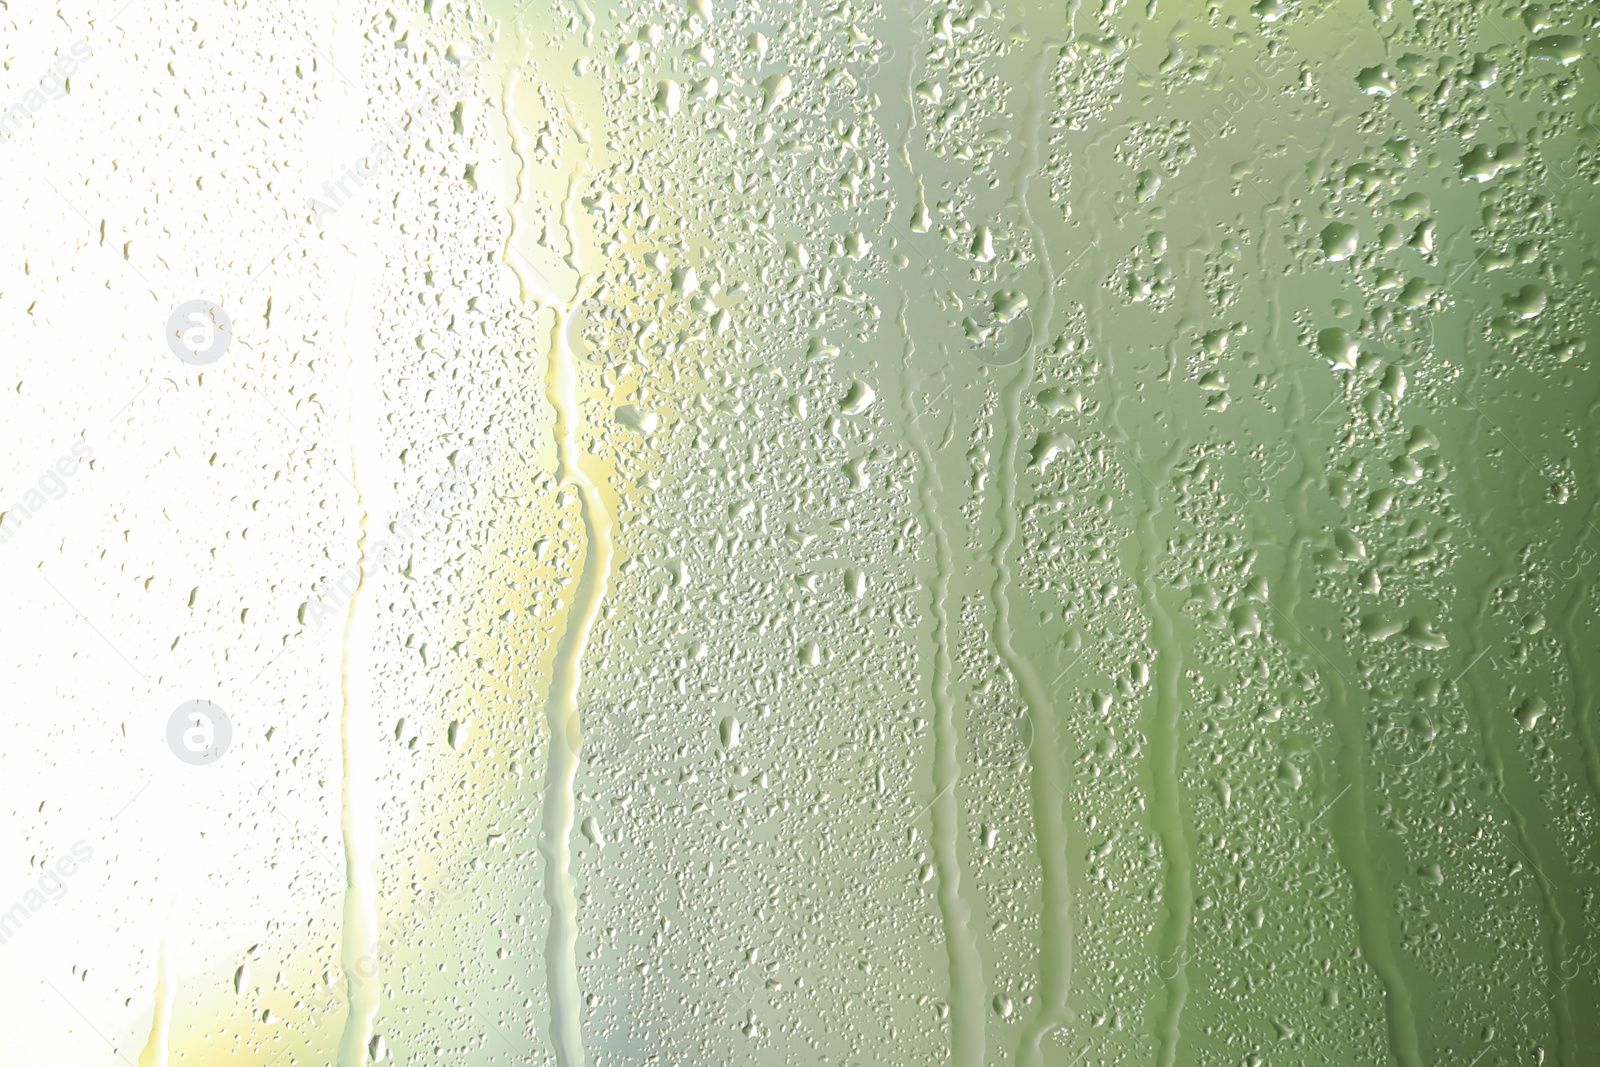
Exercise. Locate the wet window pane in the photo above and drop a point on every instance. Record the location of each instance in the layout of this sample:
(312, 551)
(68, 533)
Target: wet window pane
(710, 532)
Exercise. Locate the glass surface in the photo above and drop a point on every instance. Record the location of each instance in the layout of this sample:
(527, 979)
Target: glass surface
(800, 533)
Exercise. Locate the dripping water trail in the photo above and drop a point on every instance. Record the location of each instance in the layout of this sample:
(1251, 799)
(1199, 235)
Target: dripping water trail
(1376, 936)
(1046, 785)
(1494, 764)
(566, 676)
(561, 712)
(1166, 790)
(967, 1015)
(360, 921)
(1374, 914)
(157, 1046)
(1583, 667)
(1580, 666)
(1494, 746)
(967, 983)
(358, 727)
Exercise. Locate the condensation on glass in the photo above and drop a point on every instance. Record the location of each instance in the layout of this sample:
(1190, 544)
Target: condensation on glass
(722, 533)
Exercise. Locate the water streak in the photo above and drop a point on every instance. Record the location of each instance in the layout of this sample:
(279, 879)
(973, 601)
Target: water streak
(588, 594)
(967, 1016)
(1046, 785)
